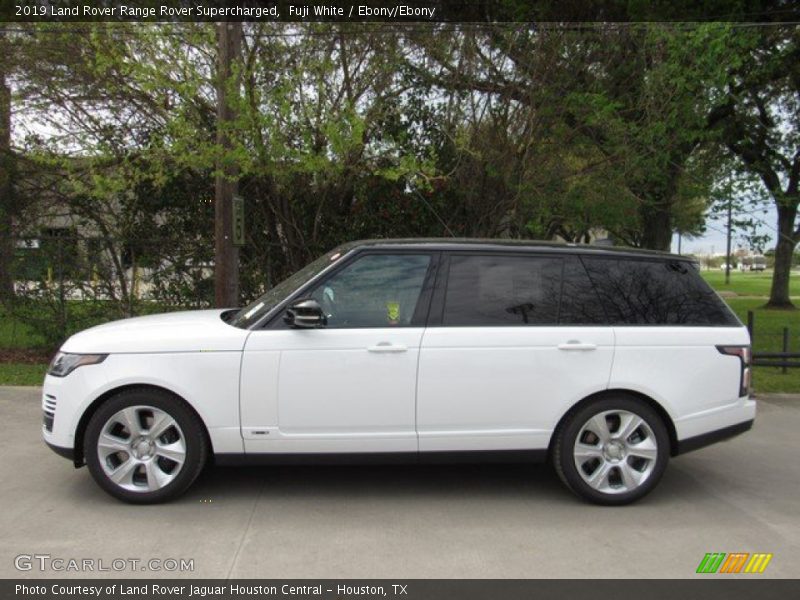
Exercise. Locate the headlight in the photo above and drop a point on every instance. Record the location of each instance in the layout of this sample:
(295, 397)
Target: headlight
(63, 363)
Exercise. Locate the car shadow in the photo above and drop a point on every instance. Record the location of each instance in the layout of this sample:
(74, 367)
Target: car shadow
(390, 481)
(531, 482)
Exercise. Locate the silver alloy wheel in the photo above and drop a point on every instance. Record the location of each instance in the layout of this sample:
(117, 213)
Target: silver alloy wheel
(615, 451)
(141, 448)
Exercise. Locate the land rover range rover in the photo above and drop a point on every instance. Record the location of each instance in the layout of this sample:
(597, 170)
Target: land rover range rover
(604, 361)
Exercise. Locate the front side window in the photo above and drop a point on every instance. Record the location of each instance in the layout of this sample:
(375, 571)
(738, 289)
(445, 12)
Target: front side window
(378, 290)
(503, 290)
(253, 312)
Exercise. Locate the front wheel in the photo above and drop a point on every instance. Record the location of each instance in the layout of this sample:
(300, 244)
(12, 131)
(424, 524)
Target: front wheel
(145, 446)
(612, 451)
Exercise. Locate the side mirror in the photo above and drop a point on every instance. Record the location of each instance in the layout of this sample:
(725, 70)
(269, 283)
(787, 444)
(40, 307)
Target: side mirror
(305, 314)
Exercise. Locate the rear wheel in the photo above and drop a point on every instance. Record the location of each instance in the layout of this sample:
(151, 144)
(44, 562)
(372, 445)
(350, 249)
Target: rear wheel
(145, 446)
(612, 450)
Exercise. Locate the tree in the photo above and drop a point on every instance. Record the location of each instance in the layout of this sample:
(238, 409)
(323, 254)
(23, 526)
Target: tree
(626, 106)
(330, 134)
(761, 128)
(104, 118)
(336, 130)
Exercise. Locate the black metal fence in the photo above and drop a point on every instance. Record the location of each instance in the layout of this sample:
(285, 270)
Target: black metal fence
(64, 282)
(785, 359)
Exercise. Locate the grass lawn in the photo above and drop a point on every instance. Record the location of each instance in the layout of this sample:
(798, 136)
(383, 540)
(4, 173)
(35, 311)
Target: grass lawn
(15, 334)
(18, 367)
(748, 283)
(768, 337)
(22, 373)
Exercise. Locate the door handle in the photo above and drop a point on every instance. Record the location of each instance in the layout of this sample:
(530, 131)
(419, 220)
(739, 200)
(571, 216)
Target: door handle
(576, 345)
(387, 347)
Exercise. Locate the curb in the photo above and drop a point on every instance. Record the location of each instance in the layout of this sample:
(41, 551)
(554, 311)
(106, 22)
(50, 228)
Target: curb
(777, 397)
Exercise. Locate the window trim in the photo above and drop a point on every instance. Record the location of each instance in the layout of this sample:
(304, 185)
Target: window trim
(436, 311)
(274, 321)
(430, 306)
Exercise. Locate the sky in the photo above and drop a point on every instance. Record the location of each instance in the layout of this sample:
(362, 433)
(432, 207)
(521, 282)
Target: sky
(713, 242)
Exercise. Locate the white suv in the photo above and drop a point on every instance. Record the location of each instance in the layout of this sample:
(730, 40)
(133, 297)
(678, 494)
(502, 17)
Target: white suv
(604, 361)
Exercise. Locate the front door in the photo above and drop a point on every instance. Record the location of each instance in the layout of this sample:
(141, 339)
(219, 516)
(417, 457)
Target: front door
(351, 385)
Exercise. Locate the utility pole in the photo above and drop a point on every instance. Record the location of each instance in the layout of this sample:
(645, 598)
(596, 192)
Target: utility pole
(226, 255)
(7, 200)
(728, 250)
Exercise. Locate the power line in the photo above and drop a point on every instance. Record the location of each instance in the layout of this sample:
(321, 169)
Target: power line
(133, 29)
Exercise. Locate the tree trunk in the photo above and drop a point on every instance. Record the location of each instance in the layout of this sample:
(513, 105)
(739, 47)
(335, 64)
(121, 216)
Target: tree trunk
(226, 255)
(656, 226)
(784, 248)
(7, 201)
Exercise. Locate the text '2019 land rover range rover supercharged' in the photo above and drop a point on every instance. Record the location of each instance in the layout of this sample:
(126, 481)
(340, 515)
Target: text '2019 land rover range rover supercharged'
(604, 361)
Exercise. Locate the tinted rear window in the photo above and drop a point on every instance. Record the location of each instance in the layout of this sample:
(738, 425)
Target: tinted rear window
(503, 290)
(655, 292)
(580, 304)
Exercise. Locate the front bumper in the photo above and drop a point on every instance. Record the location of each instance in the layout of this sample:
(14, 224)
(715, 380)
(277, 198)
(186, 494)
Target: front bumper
(68, 453)
(64, 400)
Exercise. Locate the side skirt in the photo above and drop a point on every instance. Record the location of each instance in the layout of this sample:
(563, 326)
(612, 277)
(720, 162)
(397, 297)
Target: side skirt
(378, 458)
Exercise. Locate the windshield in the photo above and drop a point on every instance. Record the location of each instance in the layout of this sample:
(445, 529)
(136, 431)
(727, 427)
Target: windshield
(251, 313)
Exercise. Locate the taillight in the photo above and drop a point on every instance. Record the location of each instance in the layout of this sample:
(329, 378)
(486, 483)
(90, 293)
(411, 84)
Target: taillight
(745, 354)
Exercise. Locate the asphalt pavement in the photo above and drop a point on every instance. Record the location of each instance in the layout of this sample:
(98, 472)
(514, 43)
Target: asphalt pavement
(506, 521)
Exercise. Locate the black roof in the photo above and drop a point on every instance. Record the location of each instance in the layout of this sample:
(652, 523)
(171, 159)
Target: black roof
(509, 244)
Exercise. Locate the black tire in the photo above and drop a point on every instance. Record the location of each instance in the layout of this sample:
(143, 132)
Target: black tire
(564, 461)
(190, 426)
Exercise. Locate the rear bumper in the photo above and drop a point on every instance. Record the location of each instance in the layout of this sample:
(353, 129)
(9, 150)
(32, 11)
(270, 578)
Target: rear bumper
(715, 424)
(712, 437)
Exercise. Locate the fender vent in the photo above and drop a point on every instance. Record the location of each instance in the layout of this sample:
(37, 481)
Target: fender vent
(49, 409)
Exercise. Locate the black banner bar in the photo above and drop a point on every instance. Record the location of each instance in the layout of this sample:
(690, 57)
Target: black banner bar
(486, 11)
(710, 588)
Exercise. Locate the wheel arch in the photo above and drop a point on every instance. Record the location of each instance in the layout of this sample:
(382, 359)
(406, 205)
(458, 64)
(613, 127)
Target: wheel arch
(651, 402)
(83, 422)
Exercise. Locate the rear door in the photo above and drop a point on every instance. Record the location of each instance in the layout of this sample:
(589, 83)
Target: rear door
(668, 324)
(513, 340)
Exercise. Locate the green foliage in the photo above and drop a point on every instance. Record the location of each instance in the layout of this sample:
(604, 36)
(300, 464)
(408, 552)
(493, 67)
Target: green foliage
(649, 112)
(351, 132)
(17, 334)
(22, 373)
(759, 128)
